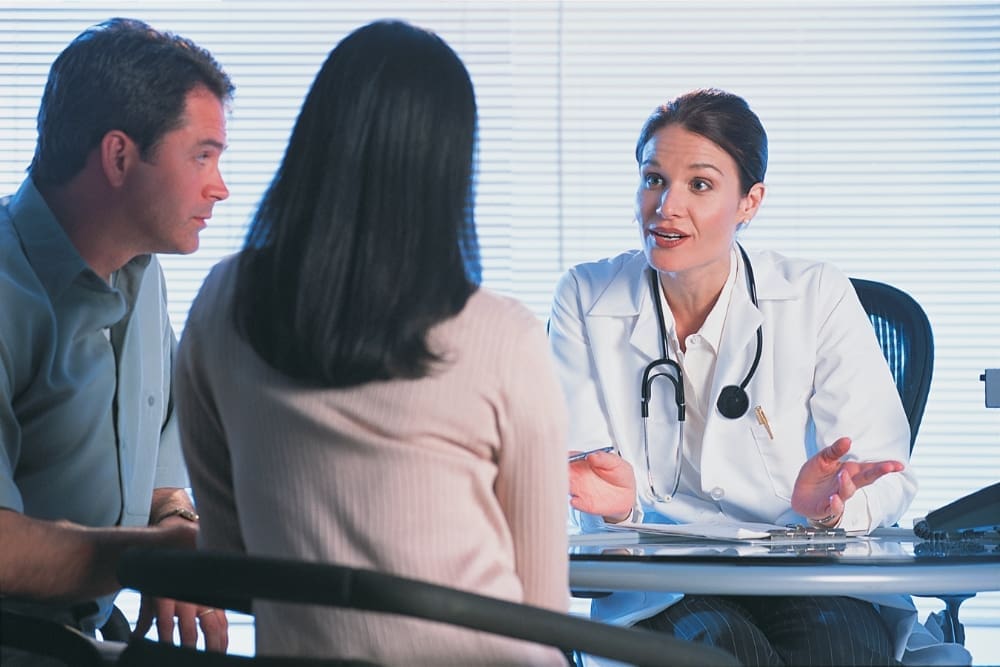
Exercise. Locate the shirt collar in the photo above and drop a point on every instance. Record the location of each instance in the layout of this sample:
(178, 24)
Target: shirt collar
(711, 328)
(52, 256)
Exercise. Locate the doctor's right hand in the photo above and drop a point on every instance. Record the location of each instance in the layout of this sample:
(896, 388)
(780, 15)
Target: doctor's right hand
(602, 484)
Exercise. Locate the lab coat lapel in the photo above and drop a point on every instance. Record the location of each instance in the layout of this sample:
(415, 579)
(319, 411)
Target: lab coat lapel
(622, 317)
(645, 336)
(727, 452)
(739, 341)
(627, 300)
(736, 354)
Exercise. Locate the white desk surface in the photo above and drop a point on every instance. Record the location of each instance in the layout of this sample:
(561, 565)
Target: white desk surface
(891, 560)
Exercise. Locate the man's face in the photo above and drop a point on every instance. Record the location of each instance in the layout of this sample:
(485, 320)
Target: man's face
(171, 195)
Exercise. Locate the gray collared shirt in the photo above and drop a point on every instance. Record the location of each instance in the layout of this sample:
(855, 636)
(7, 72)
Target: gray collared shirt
(87, 427)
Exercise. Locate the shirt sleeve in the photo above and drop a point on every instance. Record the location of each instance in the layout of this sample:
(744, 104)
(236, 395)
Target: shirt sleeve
(855, 396)
(170, 469)
(10, 435)
(588, 426)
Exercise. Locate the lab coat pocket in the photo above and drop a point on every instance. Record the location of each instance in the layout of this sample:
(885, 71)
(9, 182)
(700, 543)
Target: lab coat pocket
(781, 472)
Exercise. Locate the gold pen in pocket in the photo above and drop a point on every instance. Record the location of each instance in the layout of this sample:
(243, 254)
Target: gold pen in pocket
(762, 420)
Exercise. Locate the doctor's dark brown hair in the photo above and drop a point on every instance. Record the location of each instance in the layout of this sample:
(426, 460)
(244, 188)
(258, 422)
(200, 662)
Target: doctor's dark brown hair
(721, 117)
(365, 238)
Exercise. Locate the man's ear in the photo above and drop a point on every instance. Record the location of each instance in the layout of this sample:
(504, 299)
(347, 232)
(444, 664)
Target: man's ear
(118, 152)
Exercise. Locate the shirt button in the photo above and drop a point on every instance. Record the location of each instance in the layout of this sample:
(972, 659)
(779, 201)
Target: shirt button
(150, 401)
(717, 493)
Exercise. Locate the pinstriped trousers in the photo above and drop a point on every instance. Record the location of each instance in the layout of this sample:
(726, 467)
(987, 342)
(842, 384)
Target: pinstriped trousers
(809, 631)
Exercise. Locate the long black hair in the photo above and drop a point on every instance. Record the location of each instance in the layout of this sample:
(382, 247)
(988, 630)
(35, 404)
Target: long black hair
(365, 239)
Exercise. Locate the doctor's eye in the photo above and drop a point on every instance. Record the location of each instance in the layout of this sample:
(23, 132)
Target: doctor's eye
(700, 185)
(650, 181)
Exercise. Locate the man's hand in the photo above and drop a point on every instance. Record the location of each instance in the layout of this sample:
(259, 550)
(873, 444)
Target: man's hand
(179, 530)
(185, 616)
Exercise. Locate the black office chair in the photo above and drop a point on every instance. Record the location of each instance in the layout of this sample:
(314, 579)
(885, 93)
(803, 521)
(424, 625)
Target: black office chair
(57, 642)
(48, 639)
(233, 581)
(904, 334)
(148, 653)
(116, 628)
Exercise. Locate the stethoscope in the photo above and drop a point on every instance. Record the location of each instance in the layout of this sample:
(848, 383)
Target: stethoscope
(733, 401)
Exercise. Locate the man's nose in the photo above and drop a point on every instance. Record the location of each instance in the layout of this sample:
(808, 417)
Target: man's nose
(217, 189)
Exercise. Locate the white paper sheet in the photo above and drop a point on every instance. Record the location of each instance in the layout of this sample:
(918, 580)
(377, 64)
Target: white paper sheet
(709, 530)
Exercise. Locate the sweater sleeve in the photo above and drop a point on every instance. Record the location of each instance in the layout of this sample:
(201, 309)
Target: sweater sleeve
(532, 482)
(203, 439)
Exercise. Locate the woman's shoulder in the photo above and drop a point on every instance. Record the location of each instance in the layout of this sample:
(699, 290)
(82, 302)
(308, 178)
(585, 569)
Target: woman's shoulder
(216, 289)
(498, 311)
(595, 276)
(802, 275)
(609, 266)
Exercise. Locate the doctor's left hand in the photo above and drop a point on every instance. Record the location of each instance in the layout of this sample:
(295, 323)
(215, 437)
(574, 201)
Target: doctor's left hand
(826, 482)
(602, 484)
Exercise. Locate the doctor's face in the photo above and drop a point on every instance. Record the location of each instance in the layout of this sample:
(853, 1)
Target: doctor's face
(688, 203)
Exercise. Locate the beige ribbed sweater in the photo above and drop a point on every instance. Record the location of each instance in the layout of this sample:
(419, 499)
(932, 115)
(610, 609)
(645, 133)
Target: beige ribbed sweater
(459, 478)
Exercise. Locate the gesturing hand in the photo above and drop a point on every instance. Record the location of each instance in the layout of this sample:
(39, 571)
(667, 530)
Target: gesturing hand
(825, 481)
(602, 484)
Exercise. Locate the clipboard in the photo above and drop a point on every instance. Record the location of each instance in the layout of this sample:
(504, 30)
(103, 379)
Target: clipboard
(735, 532)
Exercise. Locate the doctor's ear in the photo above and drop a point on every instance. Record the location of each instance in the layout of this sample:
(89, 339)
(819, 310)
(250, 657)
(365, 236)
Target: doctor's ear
(752, 201)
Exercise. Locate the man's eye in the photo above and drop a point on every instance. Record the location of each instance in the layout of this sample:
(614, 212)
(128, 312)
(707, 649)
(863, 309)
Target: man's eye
(652, 180)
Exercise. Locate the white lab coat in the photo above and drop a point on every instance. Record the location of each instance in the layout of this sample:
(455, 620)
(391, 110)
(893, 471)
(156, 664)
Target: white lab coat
(821, 376)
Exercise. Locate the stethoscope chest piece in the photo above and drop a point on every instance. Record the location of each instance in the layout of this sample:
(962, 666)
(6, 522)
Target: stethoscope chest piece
(733, 402)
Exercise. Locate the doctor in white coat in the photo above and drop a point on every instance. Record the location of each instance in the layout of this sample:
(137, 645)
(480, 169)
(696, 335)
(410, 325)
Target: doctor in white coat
(789, 411)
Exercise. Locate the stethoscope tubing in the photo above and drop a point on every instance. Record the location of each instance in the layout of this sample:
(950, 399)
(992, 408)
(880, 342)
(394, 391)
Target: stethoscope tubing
(733, 401)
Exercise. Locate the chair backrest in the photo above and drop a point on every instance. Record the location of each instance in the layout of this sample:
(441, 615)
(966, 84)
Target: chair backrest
(148, 653)
(43, 638)
(233, 581)
(904, 334)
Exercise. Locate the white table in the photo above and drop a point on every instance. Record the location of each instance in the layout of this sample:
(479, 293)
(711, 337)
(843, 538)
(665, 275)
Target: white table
(889, 561)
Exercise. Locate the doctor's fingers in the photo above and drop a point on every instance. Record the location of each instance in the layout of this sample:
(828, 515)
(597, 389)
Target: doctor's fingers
(845, 484)
(608, 461)
(583, 481)
(832, 454)
(870, 472)
(602, 502)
